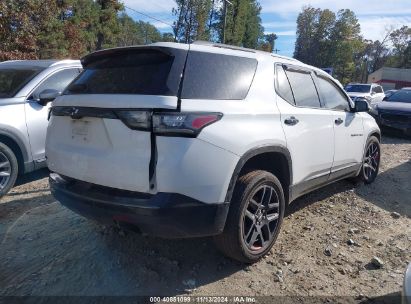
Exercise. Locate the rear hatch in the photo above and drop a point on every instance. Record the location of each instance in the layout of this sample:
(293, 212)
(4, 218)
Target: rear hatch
(100, 128)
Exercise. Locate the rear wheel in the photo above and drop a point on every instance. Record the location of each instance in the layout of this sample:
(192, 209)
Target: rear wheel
(371, 161)
(8, 169)
(255, 216)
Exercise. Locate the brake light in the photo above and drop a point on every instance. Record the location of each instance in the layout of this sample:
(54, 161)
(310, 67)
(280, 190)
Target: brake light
(136, 120)
(182, 124)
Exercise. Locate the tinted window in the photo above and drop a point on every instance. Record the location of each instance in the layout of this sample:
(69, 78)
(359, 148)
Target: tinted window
(333, 97)
(216, 76)
(13, 80)
(378, 89)
(136, 71)
(283, 86)
(401, 96)
(359, 88)
(304, 91)
(57, 81)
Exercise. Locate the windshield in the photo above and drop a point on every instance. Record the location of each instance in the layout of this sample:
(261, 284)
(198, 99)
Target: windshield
(359, 88)
(12, 79)
(400, 96)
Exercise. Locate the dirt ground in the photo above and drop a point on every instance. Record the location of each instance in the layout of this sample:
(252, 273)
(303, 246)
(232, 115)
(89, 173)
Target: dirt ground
(325, 247)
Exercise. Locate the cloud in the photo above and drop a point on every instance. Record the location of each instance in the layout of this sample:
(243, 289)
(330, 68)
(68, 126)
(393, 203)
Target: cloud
(373, 17)
(161, 26)
(279, 24)
(152, 6)
(375, 27)
(364, 7)
(281, 33)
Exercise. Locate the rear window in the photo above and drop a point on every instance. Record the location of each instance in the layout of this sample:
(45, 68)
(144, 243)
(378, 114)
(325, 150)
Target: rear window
(13, 80)
(136, 71)
(217, 76)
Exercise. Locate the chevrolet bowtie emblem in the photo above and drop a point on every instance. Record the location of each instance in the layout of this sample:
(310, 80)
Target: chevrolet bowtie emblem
(74, 113)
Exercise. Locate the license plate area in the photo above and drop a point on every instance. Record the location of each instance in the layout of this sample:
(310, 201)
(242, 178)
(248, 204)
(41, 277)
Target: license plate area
(80, 130)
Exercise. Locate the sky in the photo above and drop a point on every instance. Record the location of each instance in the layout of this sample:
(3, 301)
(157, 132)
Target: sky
(279, 16)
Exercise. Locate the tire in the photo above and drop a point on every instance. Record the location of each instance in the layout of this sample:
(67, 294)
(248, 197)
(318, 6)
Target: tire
(368, 174)
(8, 169)
(248, 222)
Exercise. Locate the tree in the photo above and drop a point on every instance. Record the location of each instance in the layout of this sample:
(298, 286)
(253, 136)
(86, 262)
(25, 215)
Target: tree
(325, 39)
(306, 24)
(108, 25)
(20, 22)
(167, 37)
(345, 43)
(191, 23)
(254, 31)
(268, 43)
(401, 41)
(236, 22)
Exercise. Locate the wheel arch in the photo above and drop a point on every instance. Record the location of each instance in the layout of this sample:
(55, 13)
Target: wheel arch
(375, 133)
(275, 159)
(17, 147)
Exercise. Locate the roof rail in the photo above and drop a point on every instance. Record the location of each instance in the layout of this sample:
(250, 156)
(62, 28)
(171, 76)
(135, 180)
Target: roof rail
(65, 61)
(285, 57)
(224, 46)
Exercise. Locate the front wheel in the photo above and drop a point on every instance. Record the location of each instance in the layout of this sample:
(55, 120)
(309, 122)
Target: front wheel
(371, 161)
(255, 217)
(8, 169)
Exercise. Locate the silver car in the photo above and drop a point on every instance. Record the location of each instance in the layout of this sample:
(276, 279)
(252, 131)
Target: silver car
(26, 89)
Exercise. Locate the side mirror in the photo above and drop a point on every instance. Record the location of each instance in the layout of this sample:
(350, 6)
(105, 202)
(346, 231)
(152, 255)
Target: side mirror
(47, 96)
(361, 105)
(373, 93)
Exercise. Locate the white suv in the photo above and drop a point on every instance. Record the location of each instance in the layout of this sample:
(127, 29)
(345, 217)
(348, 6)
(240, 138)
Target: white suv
(373, 92)
(196, 140)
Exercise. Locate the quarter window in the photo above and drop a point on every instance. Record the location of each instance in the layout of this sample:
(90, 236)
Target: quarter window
(217, 76)
(304, 91)
(333, 97)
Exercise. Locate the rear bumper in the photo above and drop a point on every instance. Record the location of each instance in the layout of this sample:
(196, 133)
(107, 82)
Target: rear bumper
(166, 215)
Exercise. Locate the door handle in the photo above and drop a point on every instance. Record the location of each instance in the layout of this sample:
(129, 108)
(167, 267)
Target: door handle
(291, 121)
(339, 121)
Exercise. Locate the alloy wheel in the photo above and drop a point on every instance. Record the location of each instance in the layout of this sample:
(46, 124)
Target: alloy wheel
(5, 171)
(371, 161)
(260, 218)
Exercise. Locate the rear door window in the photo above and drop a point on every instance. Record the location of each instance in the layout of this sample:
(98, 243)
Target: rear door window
(217, 76)
(304, 91)
(283, 85)
(144, 71)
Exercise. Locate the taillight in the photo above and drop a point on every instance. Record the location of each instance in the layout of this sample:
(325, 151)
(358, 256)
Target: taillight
(136, 120)
(182, 124)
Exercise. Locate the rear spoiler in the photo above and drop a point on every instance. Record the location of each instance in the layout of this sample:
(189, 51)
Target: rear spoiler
(97, 55)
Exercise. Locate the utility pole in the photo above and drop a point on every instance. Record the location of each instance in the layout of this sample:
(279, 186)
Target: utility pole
(225, 17)
(276, 50)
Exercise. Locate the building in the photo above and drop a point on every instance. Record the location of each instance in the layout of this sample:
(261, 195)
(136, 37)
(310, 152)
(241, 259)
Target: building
(391, 78)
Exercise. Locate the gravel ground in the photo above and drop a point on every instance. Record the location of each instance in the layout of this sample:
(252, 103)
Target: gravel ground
(326, 247)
